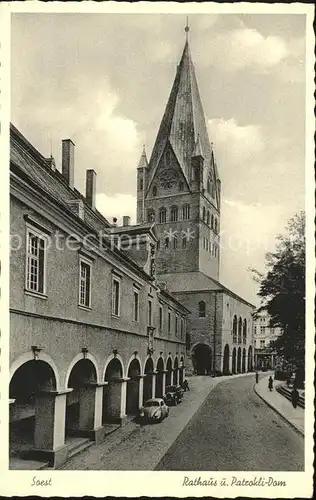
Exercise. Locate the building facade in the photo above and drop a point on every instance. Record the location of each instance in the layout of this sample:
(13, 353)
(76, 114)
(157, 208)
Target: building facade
(180, 190)
(92, 334)
(264, 336)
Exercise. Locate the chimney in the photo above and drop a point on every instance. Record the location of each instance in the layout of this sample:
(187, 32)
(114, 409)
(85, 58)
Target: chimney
(114, 219)
(91, 187)
(126, 220)
(68, 155)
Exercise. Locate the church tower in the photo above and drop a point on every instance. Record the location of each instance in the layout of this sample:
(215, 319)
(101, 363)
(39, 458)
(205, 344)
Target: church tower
(179, 188)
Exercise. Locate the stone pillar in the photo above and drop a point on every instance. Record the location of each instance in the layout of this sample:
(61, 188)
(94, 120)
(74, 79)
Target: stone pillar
(49, 433)
(154, 375)
(90, 411)
(230, 363)
(140, 390)
(116, 410)
(164, 382)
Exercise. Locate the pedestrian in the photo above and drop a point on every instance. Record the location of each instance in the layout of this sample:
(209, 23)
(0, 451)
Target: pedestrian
(294, 397)
(257, 377)
(270, 383)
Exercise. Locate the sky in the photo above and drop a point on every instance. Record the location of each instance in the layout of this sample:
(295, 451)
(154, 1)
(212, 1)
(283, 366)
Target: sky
(103, 80)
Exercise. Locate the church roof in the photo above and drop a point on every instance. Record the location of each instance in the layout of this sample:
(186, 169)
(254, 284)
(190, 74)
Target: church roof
(183, 123)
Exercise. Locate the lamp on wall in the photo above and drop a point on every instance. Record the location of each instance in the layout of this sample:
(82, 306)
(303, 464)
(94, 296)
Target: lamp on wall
(36, 350)
(84, 351)
(135, 353)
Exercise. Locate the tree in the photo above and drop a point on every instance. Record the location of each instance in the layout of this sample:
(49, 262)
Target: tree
(282, 290)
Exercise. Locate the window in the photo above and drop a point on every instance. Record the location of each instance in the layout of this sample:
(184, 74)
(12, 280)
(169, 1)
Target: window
(85, 284)
(150, 307)
(154, 191)
(167, 241)
(202, 309)
(184, 241)
(158, 244)
(262, 330)
(169, 321)
(204, 214)
(244, 332)
(235, 329)
(212, 221)
(174, 214)
(116, 299)
(175, 241)
(162, 215)
(182, 328)
(262, 343)
(186, 212)
(208, 218)
(208, 186)
(36, 262)
(141, 184)
(136, 306)
(215, 226)
(181, 186)
(239, 330)
(150, 215)
(160, 317)
(176, 325)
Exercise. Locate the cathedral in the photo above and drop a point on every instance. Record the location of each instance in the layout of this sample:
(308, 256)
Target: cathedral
(179, 189)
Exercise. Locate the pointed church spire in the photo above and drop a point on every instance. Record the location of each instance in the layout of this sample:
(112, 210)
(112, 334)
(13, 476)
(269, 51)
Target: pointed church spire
(143, 162)
(183, 125)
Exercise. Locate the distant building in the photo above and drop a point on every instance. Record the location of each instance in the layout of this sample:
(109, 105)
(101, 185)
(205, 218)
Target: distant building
(264, 335)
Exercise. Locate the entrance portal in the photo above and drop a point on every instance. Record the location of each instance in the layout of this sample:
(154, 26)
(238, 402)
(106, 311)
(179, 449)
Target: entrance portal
(234, 361)
(132, 392)
(202, 359)
(239, 360)
(243, 360)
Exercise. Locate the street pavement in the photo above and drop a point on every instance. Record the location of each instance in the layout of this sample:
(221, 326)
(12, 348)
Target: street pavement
(220, 425)
(295, 416)
(235, 430)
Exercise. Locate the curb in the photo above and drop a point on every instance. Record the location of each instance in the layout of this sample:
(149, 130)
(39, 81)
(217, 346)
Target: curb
(294, 427)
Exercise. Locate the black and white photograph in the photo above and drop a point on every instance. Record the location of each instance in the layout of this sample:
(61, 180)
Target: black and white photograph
(159, 205)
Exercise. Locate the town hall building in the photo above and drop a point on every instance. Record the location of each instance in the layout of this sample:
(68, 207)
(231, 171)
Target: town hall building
(179, 189)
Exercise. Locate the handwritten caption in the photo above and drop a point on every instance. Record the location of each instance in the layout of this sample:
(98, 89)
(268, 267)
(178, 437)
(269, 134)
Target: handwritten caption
(232, 481)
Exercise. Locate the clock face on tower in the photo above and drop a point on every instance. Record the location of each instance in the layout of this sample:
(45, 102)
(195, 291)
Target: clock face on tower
(168, 178)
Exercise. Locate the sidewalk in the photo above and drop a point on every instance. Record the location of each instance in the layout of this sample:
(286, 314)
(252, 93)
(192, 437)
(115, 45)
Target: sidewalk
(141, 447)
(294, 416)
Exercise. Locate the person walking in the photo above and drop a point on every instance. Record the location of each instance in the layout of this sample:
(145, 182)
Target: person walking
(257, 377)
(294, 397)
(270, 385)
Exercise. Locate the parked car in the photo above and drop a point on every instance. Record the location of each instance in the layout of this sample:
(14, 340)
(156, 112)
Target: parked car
(174, 394)
(155, 410)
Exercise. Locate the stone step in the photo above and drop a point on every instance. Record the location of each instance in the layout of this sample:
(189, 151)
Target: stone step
(77, 445)
(286, 392)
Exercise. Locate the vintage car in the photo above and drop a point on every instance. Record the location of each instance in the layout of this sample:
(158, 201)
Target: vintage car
(174, 394)
(154, 409)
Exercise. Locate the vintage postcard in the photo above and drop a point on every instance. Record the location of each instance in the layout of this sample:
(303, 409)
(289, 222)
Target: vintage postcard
(157, 249)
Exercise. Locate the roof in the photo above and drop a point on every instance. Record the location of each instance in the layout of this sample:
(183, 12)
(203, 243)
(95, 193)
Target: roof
(196, 282)
(183, 124)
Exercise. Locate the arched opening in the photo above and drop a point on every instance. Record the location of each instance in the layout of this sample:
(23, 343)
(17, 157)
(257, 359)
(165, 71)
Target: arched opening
(235, 329)
(132, 391)
(169, 372)
(234, 361)
(162, 215)
(174, 214)
(202, 309)
(202, 359)
(250, 361)
(112, 391)
(181, 370)
(175, 371)
(81, 399)
(226, 360)
(239, 360)
(159, 378)
(243, 367)
(239, 330)
(148, 380)
(244, 332)
(26, 418)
